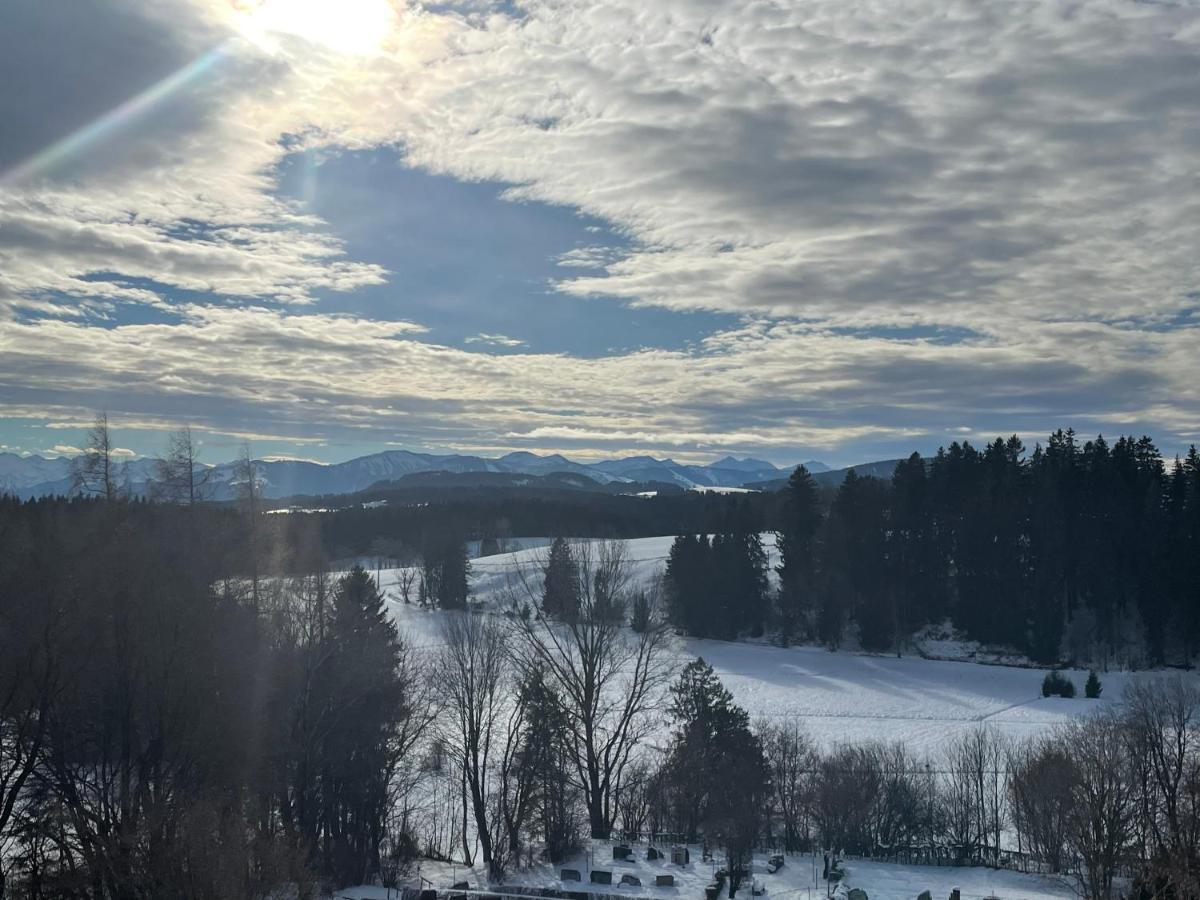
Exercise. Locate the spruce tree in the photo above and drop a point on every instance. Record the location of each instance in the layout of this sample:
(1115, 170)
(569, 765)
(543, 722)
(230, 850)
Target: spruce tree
(689, 585)
(797, 543)
(366, 699)
(719, 771)
(918, 570)
(855, 563)
(453, 588)
(560, 586)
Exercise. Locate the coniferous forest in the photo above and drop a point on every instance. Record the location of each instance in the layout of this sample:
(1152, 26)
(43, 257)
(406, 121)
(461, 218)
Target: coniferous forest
(1078, 551)
(194, 704)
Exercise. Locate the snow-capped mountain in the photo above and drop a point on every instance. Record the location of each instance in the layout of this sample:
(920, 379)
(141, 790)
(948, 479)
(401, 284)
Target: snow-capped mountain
(25, 471)
(35, 476)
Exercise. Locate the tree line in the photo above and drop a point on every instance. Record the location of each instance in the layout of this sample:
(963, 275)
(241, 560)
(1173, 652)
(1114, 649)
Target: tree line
(1080, 551)
(175, 721)
(403, 524)
(1110, 801)
(180, 716)
(193, 705)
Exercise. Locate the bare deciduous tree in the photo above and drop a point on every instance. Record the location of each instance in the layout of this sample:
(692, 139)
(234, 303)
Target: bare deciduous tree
(1163, 716)
(976, 792)
(609, 677)
(1104, 799)
(1040, 790)
(475, 682)
(179, 476)
(29, 678)
(793, 759)
(94, 472)
(406, 582)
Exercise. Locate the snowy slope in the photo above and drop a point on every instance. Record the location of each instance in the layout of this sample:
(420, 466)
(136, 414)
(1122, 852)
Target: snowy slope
(799, 879)
(34, 476)
(837, 696)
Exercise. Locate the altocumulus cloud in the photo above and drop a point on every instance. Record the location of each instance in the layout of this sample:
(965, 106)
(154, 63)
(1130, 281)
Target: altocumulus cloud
(853, 178)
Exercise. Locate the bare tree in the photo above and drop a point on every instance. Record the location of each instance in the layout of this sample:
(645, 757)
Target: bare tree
(474, 675)
(246, 485)
(179, 475)
(94, 472)
(793, 759)
(847, 786)
(1040, 790)
(1163, 716)
(1104, 799)
(610, 678)
(29, 679)
(249, 496)
(634, 800)
(406, 581)
(976, 793)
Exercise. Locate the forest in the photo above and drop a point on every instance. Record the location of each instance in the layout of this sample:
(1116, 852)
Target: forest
(1077, 552)
(193, 704)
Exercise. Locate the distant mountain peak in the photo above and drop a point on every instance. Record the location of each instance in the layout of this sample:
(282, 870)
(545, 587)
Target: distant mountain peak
(34, 476)
(748, 464)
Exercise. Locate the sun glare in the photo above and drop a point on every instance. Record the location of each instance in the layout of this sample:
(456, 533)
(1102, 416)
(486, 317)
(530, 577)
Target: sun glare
(347, 26)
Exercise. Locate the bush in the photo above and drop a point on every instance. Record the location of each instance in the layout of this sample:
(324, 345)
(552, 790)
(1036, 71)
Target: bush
(1055, 684)
(1092, 689)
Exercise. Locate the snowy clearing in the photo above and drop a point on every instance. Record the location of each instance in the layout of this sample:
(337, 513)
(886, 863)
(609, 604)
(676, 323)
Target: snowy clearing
(798, 879)
(839, 697)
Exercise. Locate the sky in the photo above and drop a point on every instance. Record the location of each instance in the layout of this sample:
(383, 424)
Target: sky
(791, 229)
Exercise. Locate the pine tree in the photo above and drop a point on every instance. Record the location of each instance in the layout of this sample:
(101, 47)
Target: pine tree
(719, 771)
(639, 619)
(797, 543)
(560, 586)
(366, 701)
(453, 587)
(855, 563)
(689, 587)
(918, 571)
(546, 756)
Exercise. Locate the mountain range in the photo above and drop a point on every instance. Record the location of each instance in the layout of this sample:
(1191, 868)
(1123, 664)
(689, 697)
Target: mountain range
(35, 476)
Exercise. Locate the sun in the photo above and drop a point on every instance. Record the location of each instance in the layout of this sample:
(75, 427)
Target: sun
(345, 26)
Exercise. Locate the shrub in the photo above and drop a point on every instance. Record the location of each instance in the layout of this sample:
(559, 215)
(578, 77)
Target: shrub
(1055, 684)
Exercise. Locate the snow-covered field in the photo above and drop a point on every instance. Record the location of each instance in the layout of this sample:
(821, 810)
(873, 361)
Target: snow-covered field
(839, 696)
(799, 879)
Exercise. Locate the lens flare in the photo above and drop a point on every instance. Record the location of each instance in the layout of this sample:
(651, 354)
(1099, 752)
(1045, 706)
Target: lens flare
(345, 26)
(81, 140)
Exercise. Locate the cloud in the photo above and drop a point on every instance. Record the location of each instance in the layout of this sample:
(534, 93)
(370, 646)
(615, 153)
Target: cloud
(495, 340)
(318, 378)
(839, 172)
(105, 201)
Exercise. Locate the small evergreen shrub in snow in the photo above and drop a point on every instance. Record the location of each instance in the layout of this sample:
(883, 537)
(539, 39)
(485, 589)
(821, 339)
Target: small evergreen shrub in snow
(1055, 684)
(1092, 689)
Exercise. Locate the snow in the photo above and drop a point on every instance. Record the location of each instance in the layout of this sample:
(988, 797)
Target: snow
(837, 696)
(798, 879)
(851, 698)
(886, 881)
